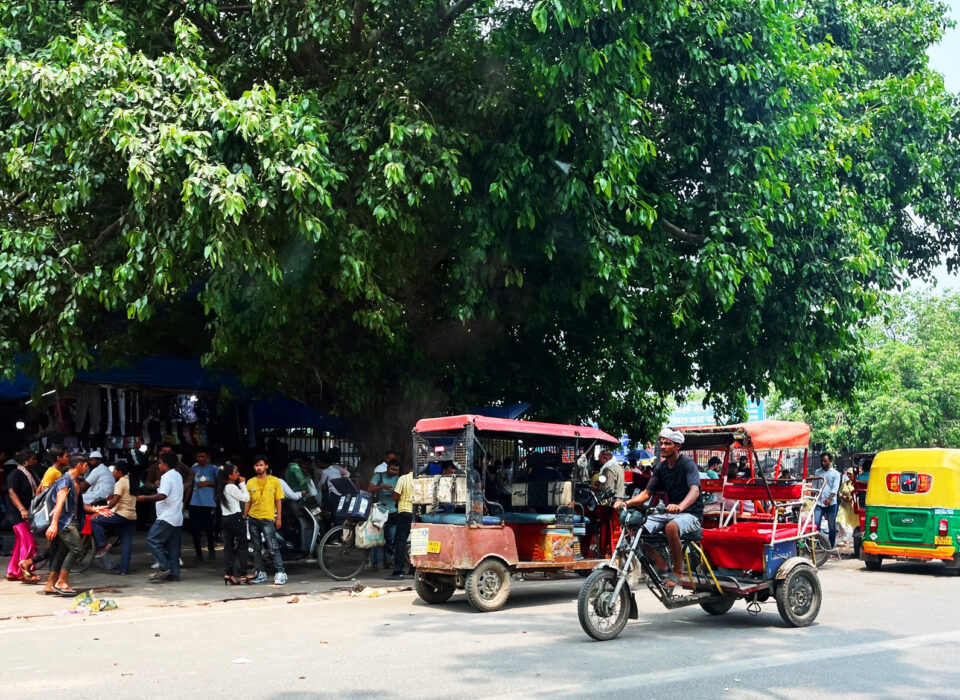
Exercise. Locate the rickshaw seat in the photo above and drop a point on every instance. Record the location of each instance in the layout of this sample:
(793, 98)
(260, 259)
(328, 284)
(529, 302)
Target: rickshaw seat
(455, 519)
(740, 546)
(534, 518)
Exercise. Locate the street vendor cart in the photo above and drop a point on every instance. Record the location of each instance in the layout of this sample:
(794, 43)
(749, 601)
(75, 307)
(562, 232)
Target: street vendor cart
(462, 538)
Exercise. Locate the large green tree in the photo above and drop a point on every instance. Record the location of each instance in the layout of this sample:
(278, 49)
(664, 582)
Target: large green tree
(389, 207)
(912, 396)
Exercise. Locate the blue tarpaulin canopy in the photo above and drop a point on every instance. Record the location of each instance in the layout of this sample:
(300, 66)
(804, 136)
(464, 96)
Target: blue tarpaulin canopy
(152, 372)
(282, 413)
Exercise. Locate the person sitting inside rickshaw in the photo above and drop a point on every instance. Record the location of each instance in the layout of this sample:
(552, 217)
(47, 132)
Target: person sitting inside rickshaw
(679, 477)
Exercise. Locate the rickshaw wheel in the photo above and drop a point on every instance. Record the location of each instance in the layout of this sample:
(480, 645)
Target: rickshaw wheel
(433, 589)
(718, 606)
(600, 615)
(873, 564)
(488, 585)
(799, 596)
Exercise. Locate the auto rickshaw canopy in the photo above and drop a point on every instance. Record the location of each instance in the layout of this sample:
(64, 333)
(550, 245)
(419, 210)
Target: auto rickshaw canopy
(510, 427)
(758, 435)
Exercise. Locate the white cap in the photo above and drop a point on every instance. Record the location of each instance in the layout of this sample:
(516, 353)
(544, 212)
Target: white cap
(672, 435)
(96, 454)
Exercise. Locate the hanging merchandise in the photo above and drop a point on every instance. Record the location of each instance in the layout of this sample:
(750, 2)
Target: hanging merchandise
(109, 411)
(88, 409)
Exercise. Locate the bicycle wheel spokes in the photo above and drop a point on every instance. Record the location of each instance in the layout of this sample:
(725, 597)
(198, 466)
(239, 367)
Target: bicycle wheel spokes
(338, 560)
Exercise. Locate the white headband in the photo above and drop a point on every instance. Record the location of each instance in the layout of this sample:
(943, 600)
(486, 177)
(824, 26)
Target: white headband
(672, 435)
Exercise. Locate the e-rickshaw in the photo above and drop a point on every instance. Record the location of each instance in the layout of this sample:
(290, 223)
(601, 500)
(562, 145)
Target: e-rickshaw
(913, 507)
(739, 558)
(462, 540)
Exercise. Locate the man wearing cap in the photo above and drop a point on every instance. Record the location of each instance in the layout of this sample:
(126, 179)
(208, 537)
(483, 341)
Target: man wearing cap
(678, 476)
(99, 483)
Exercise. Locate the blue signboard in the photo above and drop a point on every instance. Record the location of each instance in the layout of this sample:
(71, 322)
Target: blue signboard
(695, 414)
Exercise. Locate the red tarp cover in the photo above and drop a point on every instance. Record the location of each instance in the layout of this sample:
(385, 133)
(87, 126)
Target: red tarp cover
(760, 435)
(505, 425)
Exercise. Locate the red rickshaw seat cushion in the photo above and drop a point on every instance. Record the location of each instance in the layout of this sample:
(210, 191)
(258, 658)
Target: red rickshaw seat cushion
(740, 546)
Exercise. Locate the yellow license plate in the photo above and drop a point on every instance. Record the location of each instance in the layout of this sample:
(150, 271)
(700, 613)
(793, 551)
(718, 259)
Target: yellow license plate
(433, 547)
(943, 540)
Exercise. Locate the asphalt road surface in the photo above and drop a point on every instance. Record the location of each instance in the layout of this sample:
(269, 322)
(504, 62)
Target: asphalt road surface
(892, 634)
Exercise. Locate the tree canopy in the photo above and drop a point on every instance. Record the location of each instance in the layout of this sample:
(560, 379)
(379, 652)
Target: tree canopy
(912, 397)
(388, 207)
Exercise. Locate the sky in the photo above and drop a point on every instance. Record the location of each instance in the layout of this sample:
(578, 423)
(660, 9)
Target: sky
(945, 58)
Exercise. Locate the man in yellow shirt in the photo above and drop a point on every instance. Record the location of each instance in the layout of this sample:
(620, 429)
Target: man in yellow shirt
(403, 495)
(61, 459)
(263, 517)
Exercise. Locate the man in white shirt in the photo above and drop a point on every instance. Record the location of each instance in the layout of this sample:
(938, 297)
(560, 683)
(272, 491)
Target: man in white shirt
(382, 467)
(164, 535)
(100, 481)
(827, 503)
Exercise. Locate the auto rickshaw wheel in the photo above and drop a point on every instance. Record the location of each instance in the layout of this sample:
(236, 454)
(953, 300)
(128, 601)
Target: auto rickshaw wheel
(601, 615)
(799, 596)
(718, 606)
(857, 543)
(872, 562)
(433, 589)
(488, 585)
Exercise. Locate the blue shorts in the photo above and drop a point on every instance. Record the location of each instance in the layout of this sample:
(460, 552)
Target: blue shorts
(685, 521)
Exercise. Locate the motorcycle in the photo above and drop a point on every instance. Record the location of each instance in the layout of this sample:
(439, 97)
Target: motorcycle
(606, 601)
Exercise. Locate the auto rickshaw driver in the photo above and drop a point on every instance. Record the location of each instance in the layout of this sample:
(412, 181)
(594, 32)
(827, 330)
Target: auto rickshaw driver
(677, 475)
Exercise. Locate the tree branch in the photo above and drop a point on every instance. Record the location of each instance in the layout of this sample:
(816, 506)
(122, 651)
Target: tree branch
(450, 16)
(105, 235)
(208, 29)
(356, 24)
(695, 239)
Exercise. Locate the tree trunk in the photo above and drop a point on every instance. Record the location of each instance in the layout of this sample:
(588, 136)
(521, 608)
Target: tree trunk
(388, 426)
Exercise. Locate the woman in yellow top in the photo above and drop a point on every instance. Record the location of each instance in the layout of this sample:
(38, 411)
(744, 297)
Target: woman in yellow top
(263, 518)
(846, 517)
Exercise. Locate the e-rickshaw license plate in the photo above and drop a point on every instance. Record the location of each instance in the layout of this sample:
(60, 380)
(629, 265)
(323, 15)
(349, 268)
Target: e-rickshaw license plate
(433, 547)
(942, 540)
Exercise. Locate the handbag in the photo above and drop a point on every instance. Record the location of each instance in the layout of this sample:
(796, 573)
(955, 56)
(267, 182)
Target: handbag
(369, 535)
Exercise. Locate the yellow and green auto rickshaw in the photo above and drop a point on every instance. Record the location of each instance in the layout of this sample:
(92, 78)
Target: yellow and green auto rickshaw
(913, 507)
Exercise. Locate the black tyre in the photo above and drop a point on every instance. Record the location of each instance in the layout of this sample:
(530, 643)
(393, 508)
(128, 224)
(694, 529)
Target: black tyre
(338, 560)
(433, 589)
(799, 596)
(488, 585)
(857, 543)
(718, 606)
(89, 550)
(873, 564)
(601, 616)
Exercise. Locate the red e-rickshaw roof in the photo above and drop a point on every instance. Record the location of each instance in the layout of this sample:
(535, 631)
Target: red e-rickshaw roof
(759, 435)
(506, 425)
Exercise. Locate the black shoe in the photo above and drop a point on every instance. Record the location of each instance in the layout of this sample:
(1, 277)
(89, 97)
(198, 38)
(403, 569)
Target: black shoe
(395, 577)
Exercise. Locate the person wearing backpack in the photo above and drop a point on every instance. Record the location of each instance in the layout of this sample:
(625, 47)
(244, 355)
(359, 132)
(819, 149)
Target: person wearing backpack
(20, 487)
(67, 550)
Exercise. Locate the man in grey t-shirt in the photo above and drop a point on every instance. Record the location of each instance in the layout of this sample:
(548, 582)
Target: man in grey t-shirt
(677, 475)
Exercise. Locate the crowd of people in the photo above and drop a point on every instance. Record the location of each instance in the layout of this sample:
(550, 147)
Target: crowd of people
(212, 499)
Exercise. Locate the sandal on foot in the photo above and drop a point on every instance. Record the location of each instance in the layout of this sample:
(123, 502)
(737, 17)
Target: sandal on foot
(671, 582)
(65, 591)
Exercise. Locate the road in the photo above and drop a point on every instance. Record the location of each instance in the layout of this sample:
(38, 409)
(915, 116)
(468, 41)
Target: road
(893, 633)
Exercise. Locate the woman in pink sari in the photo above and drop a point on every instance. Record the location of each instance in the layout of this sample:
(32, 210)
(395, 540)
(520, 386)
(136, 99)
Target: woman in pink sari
(20, 486)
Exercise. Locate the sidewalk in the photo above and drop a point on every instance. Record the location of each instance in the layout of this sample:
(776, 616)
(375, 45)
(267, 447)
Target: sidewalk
(201, 585)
